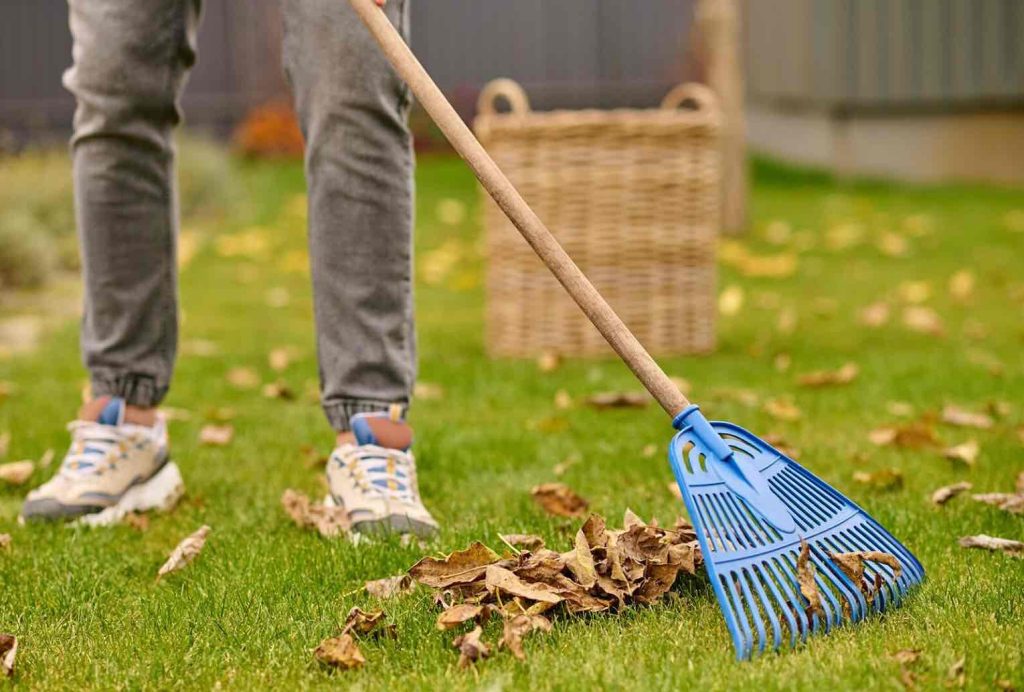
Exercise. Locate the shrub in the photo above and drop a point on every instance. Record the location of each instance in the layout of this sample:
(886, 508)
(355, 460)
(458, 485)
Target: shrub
(27, 251)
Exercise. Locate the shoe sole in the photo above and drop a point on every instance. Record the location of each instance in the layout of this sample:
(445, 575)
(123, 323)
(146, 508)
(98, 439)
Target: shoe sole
(395, 523)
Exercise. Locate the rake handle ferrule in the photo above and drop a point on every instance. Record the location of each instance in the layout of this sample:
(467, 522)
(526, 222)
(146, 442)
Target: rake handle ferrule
(692, 418)
(518, 211)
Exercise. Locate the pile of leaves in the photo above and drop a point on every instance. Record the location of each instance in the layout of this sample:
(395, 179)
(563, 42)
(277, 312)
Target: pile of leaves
(607, 569)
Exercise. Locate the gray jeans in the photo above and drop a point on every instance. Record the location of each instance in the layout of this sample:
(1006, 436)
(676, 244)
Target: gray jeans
(131, 61)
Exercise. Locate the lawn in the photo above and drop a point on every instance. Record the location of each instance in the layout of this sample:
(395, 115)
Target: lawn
(247, 614)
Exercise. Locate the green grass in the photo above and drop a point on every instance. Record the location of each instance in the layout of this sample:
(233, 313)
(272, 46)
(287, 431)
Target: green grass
(262, 595)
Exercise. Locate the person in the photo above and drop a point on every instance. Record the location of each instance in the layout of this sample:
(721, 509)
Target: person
(131, 59)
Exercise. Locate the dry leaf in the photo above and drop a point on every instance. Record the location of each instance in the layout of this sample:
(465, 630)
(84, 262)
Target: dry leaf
(462, 612)
(947, 492)
(875, 315)
(782, 409)
(955, 676)
(900, 408)
(961, 285)
(47, 458)
(1006, 545)
(548, 361)
(185, 552)
(216, 435)
(518, 627)
(673, 488)
(500, 579)
(243, 378)
(844, 375)
(905, 656)
(805, 576)
(5, 541)
(1008, 502)
(471, 647)
(852, 565)
(730, 301)
(954, 415)
(606, 400)
(923, 319)
(915, 435)
(8, 651)
(522, 541)
(389, 587)
(786, 321)
(893, 245)
(362, 623)
(428, 391)
(278, 389)
(340, 652)
(5, 443)
(16, 472)
(563, 400)
(884, 479)
(966, 452)
(279, 358)
(330, 521)
(461, 567)
(559, 499)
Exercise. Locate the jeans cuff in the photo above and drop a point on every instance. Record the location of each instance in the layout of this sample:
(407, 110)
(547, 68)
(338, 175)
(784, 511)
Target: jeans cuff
(136, 390)
(340, 412)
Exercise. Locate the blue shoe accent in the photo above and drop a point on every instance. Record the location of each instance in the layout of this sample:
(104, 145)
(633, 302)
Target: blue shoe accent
(364, 433)
(738, 491)
(113, 412)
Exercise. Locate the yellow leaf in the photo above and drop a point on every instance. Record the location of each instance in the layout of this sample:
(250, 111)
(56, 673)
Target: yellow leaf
(730, 301)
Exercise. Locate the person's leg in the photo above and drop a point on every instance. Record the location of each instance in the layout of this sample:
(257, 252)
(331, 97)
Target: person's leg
(130, 62)
(353, 112)
(131, 58)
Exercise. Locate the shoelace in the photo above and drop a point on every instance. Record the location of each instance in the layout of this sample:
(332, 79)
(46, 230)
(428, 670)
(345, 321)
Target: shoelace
(389, 473)
(91, 447)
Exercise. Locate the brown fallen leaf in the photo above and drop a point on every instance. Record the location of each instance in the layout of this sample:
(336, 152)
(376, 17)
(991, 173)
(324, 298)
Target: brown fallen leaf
(673, 488)
(954, 415)
(5, 541)
(1006, 545)
(782, 409)
(389, 587)
(461, 567)
(548, 361)
(16, 472)
(278, 389)
(185, 552)
(243, 378)
(914, 435)
(606, 400)
(428, 391)
(471, 647)
(522, 541)
(463, 612)
(340, 652)
(924, 320)
(500, 579)
(518, 627)
(216, 435)
(8, 651)
(730, 301)
(1008, 502)
(961, 285)
(846, 374)
(563, 400)
(955, 676)
(329, 521)
(966, 452)
(905, 656)
(360, 622)
(875, 315)
(852, 565)
(5, 443)
(279, 358)
(947, 492)
(559, 499)
(134, 520)
(884, 479)
(805, 576)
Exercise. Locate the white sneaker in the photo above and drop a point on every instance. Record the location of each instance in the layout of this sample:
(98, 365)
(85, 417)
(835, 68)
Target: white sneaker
(106, 460)
(377, 485)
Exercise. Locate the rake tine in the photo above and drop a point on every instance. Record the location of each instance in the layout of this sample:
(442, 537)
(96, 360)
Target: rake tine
(766, 605)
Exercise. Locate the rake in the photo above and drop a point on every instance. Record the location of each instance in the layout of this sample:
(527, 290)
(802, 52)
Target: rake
(765, 524)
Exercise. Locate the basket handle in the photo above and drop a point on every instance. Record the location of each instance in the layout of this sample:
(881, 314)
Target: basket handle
(507, 89)
(701, 98)
(518, 211)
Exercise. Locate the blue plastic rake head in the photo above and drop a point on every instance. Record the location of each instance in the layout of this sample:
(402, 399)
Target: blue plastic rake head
(751, 507)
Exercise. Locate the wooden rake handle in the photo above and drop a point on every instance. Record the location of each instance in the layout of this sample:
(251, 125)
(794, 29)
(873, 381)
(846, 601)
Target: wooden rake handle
(518, 211)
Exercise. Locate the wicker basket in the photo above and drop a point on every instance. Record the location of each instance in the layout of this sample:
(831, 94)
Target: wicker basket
(633, 197)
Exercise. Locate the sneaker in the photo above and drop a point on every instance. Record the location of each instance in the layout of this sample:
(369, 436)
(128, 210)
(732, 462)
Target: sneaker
(376, 484)
(107, 459)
